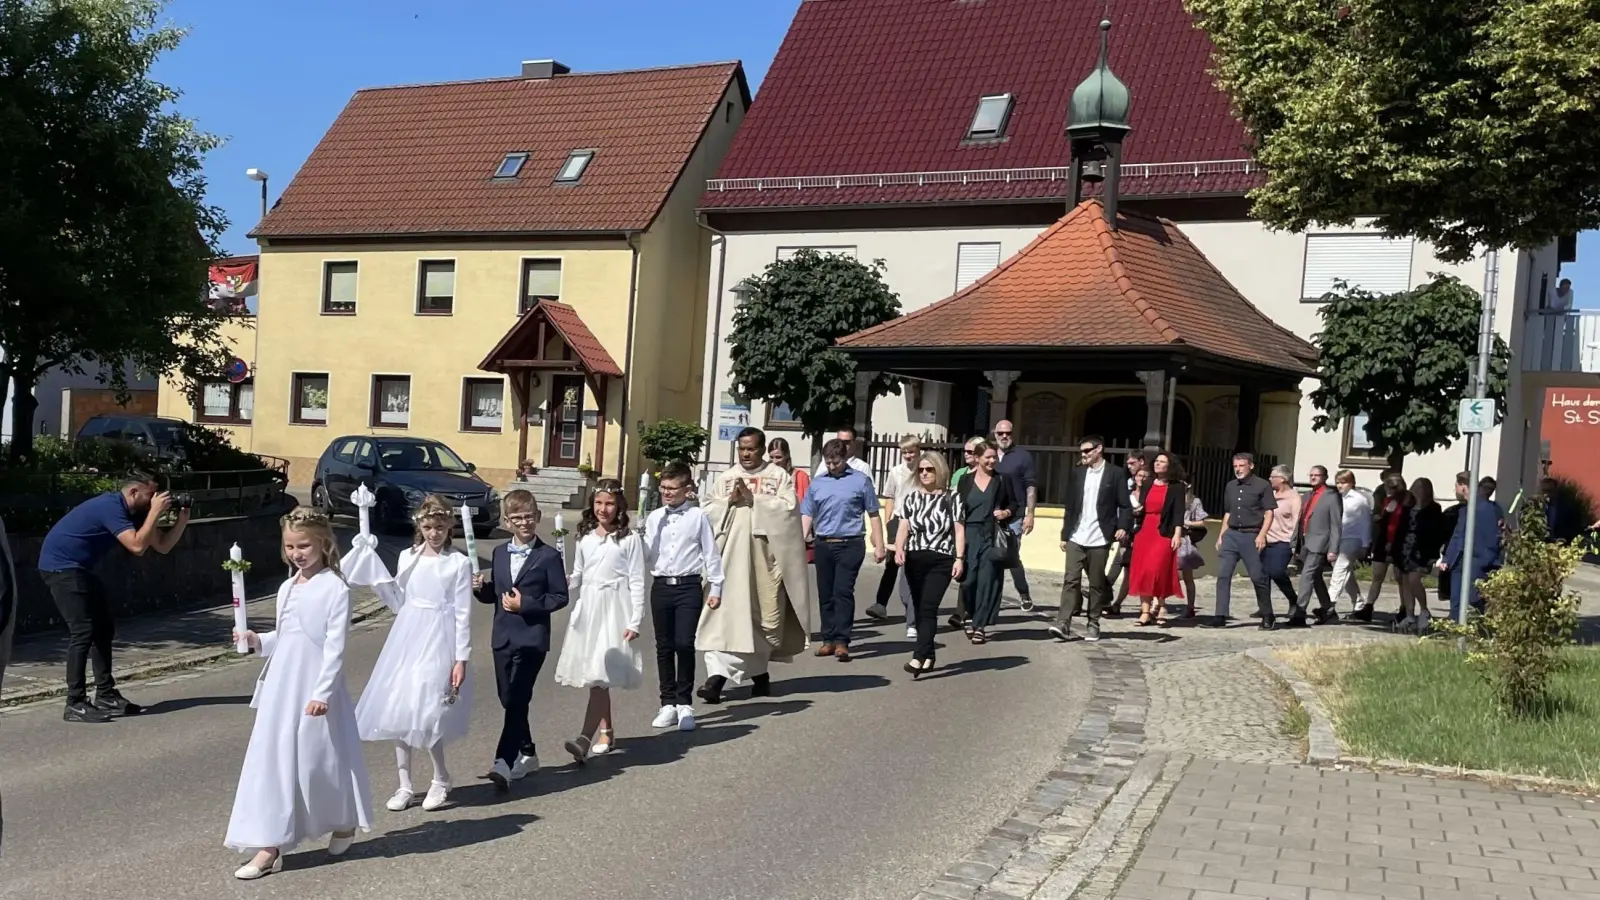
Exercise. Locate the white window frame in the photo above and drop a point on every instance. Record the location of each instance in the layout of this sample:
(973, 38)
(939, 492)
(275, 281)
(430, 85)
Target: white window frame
(849, 250)
(522, 279)
(999, 257)
(374, 415)
(464, 423)
(455, 284)
(1309, 294)
(522, 162)
(294, 399)
(326, 288)
(587, 155)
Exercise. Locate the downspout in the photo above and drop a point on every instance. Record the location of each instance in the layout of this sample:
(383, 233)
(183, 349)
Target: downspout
(627, 365)
(712, 374)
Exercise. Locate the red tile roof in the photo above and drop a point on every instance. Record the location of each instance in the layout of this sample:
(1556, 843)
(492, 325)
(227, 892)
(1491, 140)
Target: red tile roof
(522, 341)
(874, 87)
(1082, 285)
(419, 159)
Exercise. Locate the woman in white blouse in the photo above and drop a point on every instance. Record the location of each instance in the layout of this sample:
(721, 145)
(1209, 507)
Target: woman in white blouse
(1355, 536)
(930, 545)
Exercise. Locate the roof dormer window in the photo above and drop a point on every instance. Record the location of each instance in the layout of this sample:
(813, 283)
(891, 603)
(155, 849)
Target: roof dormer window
(511, 165)
(990, 119)
(572, 170)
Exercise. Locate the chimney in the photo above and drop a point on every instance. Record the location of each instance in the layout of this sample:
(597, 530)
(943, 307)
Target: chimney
(542, 68)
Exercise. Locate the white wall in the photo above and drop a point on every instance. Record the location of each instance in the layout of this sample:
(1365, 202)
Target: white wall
(1266, 266)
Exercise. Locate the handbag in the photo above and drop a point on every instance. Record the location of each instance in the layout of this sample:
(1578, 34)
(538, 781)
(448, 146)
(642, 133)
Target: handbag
(1004, 548)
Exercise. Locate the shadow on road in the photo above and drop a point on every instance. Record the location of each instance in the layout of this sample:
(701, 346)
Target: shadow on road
(978, 664)
(432, 836)
(826, 684)
(172, 706)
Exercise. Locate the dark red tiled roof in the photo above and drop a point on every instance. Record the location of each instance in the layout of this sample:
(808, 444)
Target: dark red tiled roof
(522, 341)
(1082, 285)
(419, 159)
(869, 87)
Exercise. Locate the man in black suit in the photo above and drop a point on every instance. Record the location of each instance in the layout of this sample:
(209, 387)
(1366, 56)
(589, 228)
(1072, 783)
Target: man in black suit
(529, 582)
(1099, 513)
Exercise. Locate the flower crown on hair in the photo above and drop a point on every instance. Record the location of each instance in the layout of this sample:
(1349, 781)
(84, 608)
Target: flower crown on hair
(430, 511)
(305, 515)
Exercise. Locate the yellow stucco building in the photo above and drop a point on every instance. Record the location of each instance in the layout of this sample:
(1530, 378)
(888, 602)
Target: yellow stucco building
(510, 266)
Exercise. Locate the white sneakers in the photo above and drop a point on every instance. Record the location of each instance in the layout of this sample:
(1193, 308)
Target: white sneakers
(666, 718)
(502, 775)
(911, 632)
(438, 795)
(526, 765)
(401, 801)
(685, 718)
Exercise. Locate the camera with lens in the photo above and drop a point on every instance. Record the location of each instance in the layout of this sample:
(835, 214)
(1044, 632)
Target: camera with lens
(181, 501)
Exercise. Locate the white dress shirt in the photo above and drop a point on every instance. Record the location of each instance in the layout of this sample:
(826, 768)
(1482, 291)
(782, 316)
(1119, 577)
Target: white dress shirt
(1088, 533)
(1356, 522)
(679, 542)
(898, 484)
(519, 561)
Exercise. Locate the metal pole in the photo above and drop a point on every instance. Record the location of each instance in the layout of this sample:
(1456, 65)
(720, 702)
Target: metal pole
(1480, 390)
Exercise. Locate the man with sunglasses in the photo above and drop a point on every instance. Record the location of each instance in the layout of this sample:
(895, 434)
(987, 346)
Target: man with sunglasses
(1017, 465)
(1099, 512)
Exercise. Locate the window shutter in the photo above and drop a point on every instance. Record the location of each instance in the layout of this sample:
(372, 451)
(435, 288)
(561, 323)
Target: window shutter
(544, 278)
(789, 252)
(439, 280)
(1371, 262)
(973, 261)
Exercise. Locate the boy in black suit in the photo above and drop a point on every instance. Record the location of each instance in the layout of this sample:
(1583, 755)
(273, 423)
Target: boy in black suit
(529, 583)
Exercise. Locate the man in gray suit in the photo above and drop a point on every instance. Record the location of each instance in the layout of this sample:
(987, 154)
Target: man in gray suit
(1321, 519)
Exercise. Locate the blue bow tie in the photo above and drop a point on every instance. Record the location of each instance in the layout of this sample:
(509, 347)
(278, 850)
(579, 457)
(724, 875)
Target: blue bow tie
(519, 551)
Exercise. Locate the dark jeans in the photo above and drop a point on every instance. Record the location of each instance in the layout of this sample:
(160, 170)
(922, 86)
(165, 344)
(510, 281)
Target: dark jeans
(1275, 558)
(928, 574)
(515, 671)
(1083, 560)
(81, 598)
(1237, 547)
(675, 612)
(1019, 573)
(838, 564)
(891, 572)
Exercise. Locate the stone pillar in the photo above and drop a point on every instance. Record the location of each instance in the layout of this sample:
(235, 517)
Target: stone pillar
(863, 418)
(1155, 415)
(1000, 382)
(1249, 417)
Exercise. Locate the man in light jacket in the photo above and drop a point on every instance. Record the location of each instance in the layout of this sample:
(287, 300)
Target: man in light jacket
(1321, 520)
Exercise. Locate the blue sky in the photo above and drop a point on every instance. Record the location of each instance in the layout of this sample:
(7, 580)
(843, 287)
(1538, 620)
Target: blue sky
(271, 75)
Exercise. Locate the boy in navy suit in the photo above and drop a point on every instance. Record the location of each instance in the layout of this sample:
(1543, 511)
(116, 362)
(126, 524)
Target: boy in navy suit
(529, 583)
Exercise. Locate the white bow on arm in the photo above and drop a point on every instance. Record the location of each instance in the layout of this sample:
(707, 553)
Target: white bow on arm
(361, 565)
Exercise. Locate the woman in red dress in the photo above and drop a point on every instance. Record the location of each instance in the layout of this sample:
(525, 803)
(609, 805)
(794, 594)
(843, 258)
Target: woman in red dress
(1153, 571)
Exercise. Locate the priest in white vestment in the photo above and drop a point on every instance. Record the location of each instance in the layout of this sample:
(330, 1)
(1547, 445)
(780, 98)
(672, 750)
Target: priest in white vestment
(764, 613)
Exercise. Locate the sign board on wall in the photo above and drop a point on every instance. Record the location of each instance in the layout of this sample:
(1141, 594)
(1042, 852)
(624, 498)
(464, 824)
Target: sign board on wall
(1569, 426)
(733, 416)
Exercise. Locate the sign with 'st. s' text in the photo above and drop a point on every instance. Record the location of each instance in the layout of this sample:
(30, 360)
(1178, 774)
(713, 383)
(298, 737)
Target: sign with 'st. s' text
(1477, 416)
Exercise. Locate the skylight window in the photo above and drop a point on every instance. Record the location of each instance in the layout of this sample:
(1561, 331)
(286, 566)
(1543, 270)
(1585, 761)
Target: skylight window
(990, 120)
(572, 170)
(511, 165)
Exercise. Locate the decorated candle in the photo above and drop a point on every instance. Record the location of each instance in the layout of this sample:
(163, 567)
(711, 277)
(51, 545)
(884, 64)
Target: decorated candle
(241, 623)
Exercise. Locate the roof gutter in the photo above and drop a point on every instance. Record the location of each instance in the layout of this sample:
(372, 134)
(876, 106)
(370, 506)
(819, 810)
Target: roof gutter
(632, 238)
(721, 241)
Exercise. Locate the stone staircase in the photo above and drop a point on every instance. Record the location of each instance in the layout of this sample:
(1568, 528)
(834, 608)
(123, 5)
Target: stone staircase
(555, 488)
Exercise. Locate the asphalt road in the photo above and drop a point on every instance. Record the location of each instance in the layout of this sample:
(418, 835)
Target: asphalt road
(850, 782)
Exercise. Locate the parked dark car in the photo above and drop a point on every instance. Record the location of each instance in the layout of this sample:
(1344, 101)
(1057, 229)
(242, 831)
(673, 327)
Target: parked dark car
(400, 472)
(155, 438)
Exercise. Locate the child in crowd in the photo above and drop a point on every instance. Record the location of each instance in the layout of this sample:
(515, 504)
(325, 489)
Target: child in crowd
(679, 546)
(1189, 558)
(608, 581)
(420, 695)
(528, 582)
(303, 775)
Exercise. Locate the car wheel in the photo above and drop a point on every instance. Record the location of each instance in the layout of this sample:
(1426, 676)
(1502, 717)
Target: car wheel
(320, 500)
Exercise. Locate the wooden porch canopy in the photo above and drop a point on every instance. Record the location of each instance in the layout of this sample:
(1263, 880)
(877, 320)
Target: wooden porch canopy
(551, 337)
(1089, 301)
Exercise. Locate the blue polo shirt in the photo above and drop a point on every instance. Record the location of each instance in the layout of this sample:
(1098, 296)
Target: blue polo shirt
(836, 503)
(86, 534)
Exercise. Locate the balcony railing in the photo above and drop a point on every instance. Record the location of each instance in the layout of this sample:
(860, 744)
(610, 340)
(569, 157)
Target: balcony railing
(1562, 341)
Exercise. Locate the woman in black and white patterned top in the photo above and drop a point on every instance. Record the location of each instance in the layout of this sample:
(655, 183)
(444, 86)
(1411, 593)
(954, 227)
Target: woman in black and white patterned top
(929, 546)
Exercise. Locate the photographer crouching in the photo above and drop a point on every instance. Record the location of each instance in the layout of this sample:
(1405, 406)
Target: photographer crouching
(67, 559)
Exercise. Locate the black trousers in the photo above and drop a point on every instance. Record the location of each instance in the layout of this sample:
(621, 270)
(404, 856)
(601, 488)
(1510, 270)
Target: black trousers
(928, 574)
(675, 612)
(515, 671)
(891, 572)
(81, 598)
(1019, 573)
(838, 564)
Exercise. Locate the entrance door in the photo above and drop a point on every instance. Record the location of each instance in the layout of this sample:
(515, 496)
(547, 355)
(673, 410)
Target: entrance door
(564, 433)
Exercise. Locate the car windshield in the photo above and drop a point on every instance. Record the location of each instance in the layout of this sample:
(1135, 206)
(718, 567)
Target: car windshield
(411, 456)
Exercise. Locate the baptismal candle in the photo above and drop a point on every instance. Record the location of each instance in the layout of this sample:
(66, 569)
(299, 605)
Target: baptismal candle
(241, 622)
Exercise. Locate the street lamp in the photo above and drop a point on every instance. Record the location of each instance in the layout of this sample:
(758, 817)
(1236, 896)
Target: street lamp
(261, 176)
(743, 291)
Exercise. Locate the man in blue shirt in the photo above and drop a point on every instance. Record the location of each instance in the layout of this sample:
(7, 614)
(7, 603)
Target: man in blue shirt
(67, 559)
(831, 515)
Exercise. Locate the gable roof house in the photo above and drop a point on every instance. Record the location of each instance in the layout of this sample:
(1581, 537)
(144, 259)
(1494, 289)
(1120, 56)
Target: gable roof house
(1062, 210)
(510, 265)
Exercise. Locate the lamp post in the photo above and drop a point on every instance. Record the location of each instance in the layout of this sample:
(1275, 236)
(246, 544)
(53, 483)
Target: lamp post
(261, 176)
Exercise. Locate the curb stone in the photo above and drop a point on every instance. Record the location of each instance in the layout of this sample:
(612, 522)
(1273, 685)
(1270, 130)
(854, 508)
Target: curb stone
(187, 659)
(1322, 743)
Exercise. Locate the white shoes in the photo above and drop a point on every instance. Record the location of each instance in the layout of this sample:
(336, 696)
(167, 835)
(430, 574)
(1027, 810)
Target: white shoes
(666, 718)
(526, 765)
(603, 745)
(500, 774)
(250, 872)
(911, 632)
(438, 795)
(685, 718)
(339, 844)
(401, 801)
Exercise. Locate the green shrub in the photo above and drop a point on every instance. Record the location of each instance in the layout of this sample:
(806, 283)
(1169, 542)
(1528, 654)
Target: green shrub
(1527, 618)
(672, 441)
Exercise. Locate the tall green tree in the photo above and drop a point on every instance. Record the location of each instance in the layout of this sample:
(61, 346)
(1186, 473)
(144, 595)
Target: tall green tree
(105, 234)
(1403, 361)
(1464, 123)
(784, 332)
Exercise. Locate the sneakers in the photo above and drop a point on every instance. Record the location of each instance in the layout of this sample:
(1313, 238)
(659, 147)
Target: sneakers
(911, 632)
(438, 796)
(685, 718)
(1061, 633)
(500, 774)
(117, 705)
(1091, 632)
(666, 718)
(877, 612)
(526, 764)
(85, 713)
(401, 800)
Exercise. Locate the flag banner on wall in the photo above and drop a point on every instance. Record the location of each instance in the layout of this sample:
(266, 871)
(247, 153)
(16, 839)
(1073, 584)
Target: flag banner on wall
(233, 281)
